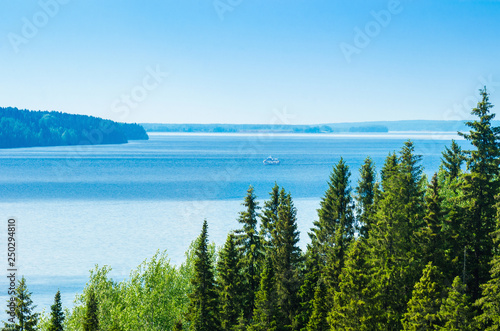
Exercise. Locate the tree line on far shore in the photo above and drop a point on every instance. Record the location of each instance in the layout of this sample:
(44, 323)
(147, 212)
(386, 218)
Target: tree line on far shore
(398, 251)
(23, 128)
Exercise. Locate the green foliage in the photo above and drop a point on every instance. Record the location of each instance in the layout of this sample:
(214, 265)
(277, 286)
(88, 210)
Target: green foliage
(455, 312)
(203, 300)
(480, 186)
(423, 307)
(365, 196)
(394, 246)
(318, 320)
(452, 160)
(432, 239)
(56, 314)
(266, 315)
(154, 296)
(334, 230)
(355, 305)
(26, 318)
(229, 285)
(91, 321)
(250, 250)
(286, 257)
(269, 217)
(23, 128)
(489, 303)
(311, 277)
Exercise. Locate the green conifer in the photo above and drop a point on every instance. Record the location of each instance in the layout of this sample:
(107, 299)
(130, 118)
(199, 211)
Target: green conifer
(91, 319)
(229, 285)
(266, 316)
(286, 257)
(318, 320)
(203, 300)
(26, 318)
(365, 196)
(452, 160)
(250, 250)
(56, 314)
(480, 187)
(455, 311)
(355, 305)
(424, 305)
(334, 230)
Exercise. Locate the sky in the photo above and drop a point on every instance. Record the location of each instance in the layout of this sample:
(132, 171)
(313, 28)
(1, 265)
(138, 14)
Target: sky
(250, 61)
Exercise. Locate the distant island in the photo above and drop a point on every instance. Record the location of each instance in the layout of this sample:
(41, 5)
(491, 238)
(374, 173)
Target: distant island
(374, 126)
(25, 128)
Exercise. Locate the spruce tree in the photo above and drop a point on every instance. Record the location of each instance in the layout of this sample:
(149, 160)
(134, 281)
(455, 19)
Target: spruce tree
(489, 303)
(266, 316)
(56, 314)
(365, 196)
(480, 187)
(334, 230)
(311, 276)
(355, 305)
(250, 250)
(203, 299)
(452, 160)
(455, 311)
(269, 217)
(286, 257)
(229, 285)
(27, 319)
(389, 169)
(424, 305)
(394, 248)
(91, 319)
(432, 237)
(318, 320)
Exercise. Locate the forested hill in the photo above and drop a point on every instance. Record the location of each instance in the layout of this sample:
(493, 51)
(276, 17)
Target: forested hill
(24, 128)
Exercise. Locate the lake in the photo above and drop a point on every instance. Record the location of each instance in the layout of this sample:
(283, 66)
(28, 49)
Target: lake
(116, 205)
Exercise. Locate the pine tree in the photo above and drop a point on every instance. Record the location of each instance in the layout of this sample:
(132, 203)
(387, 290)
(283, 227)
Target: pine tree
(480, 187)
(266, 315)
(91, 319)
(318, 320)
(455, 311)
(423, 307)
(452, 160)
(355, 304)
(250, 250)
(27, 319)
(203, 300)
(56, 314)
(286, 258)
(365, 196)
(229, 285)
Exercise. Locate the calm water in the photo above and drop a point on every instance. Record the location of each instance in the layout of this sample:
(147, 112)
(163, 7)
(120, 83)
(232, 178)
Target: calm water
(117, 204)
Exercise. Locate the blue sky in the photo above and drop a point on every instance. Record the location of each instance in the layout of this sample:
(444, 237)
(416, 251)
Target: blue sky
(250, 61)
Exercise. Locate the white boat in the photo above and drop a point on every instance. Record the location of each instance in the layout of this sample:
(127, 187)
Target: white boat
(271, 161)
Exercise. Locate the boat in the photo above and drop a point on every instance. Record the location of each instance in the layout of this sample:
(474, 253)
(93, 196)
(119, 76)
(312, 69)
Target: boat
(271, 161)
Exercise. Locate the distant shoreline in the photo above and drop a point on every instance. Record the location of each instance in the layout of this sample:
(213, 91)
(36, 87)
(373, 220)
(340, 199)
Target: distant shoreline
(327, 128)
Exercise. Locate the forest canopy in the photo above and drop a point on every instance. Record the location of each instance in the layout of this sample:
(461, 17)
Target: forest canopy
(24, 128)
